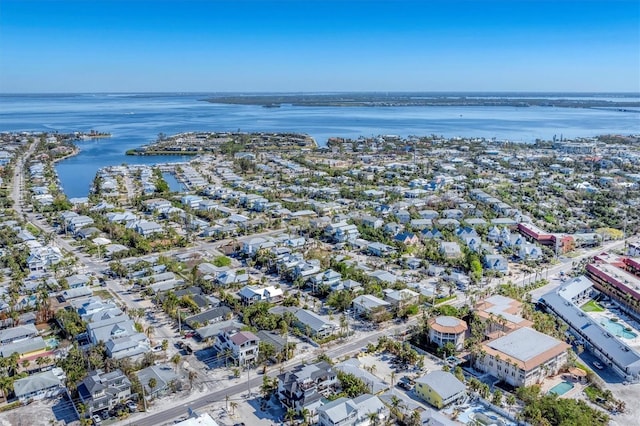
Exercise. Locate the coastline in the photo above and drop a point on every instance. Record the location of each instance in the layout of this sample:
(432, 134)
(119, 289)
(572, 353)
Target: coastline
(75, 152)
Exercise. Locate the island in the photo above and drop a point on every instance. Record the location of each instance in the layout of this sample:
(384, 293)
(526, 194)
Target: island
(619, 102)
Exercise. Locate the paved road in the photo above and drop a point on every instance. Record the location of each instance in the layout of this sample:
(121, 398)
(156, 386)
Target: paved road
(167, 415)
(568, 264)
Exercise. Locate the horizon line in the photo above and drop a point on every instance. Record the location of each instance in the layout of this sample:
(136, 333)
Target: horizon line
(329, 92)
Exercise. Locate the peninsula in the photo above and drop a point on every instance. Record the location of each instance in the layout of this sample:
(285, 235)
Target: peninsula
(194, 143)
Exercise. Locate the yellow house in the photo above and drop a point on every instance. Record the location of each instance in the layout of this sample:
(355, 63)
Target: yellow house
(440, 388)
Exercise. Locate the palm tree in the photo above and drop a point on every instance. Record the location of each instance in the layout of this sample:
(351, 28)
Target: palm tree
(192, 376)
(233, 406)
(305, 413)
(176, 360)
(149, 331)
(291, 415)
(373, 418)
(152, 384)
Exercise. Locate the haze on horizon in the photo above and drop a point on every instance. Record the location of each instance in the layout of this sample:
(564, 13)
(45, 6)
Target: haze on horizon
(319, 46)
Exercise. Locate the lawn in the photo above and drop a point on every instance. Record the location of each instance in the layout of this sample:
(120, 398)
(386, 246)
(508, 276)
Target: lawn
(592, 306)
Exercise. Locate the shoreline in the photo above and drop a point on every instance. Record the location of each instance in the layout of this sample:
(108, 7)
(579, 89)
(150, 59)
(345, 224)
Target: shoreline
(75, 152)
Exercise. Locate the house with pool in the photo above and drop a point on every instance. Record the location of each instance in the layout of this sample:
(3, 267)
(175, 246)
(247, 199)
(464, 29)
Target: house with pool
(604, 335)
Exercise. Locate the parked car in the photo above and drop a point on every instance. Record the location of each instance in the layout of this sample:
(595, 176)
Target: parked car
(404, 385)
(132, 406)
(96, 419)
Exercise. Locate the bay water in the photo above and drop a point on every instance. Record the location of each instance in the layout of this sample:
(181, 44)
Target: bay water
(137, 119)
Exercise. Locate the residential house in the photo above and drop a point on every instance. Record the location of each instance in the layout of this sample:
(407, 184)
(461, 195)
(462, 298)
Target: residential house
(226, 278)
(354, 367)
(242, 346)
(42, 257)
(446, 329)
(403, 216)
(452, 214)
(313, 324)
(372, 221)
(407, 238)
(38, 386)
(440, 388)
(31, 348)
(380, 249)
(18, 333)
(393, 228)
(400, 299)
(328, 278)
(450, 249)
(432, 234)
(164, 376)
(251, 294)
(367, 305)
(496, 262)
(148, 228)
(103, 391)
(353, 412)
(530, 251)
(304, 387)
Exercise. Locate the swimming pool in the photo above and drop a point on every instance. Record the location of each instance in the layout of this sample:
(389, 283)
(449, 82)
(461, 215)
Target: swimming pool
(52, 342)
(561, 388)
(618, 329)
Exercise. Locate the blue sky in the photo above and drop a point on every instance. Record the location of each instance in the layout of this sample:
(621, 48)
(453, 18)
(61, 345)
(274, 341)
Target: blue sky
(314, 45)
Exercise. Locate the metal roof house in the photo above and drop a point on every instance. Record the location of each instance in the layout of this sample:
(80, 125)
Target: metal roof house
(440, 388)
(38, 386)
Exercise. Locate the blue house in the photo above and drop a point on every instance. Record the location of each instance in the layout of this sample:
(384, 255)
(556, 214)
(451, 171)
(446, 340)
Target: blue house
(496, 262)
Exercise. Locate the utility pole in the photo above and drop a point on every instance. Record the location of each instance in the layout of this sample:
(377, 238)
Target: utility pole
(144, 399)
(248, 383)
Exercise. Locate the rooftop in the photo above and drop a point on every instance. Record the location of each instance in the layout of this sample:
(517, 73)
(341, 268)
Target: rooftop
(526, 346)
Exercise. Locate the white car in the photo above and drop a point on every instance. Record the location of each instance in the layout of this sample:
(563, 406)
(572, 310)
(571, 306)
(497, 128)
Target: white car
(597, 365)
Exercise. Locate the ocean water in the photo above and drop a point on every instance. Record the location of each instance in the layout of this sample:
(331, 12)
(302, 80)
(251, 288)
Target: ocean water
(136, 119)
